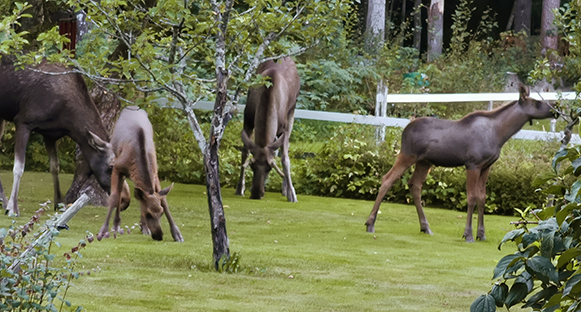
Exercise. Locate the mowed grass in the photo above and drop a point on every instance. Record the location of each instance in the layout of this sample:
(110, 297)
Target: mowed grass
(309, 256)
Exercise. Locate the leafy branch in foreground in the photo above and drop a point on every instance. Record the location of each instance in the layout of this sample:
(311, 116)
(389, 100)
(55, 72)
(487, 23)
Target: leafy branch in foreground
(32, 276)
(544, 273)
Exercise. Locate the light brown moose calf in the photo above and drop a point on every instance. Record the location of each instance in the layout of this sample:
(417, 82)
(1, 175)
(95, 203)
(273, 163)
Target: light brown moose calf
(134, 149)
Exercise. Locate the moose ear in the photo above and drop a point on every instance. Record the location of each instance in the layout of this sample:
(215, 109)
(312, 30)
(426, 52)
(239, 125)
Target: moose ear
(140, 194)
(166, 190)
(96, 142)
(524, 92)
(278, 143)
(247, 141)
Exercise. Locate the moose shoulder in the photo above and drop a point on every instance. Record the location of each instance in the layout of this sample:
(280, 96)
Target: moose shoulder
(474, 141)
(54, 105)
(270, 113)
(136, 159)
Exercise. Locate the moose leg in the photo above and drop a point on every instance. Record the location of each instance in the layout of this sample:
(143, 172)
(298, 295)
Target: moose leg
(472, 179)
(2, 193)
(50, 145)
(175, 231)
(114, 198)
(415, 184)
(241, 187)
(481, 201)
(21, 140)
(402, 163)
(287, 184)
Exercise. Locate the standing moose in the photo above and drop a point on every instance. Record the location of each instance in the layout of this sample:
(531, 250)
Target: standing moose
(132, 142)
(53, 105)
(270, 112)
(474, 141)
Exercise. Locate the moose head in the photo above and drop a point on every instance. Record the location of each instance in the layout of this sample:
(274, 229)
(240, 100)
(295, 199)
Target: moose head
(152, 210)
(534, 109)
(262, 162)
(101, 160)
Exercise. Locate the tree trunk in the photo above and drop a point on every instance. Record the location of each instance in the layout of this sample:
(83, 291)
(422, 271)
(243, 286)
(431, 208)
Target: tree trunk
(418, 24)
(435, 29)
(549, 36)
(83, 180)
(375, 28)
(402, 23)
(522, 16)
(212, 169)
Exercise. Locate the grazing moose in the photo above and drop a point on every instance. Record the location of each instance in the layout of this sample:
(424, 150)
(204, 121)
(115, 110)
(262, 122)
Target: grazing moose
(53, 105)
(135, 158)
(270, 112)
(474, 141)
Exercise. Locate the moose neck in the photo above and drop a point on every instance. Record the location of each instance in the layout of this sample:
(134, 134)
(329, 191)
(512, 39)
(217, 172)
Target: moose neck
(509, 121)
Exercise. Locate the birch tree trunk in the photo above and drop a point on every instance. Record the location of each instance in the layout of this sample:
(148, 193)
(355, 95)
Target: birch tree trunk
(435, 29)
(375, 26)
(417, 24)
(522, 16)
(549, 36)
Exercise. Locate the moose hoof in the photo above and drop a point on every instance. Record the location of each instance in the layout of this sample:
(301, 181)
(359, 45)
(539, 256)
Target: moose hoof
(469, 239)
(427, 231)
(370, 228)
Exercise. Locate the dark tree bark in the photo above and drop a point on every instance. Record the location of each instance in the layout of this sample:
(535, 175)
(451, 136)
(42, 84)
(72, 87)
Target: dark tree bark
(417, 24)
(83, 181)
(375, 28)
(549, 36)
(522, 16)
(403, 21)
(435, 29)
(212, 168)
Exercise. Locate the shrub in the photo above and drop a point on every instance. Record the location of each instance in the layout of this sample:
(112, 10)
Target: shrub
(543, 273)
(37, 280)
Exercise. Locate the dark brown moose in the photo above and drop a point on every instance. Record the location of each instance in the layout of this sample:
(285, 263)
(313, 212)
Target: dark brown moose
(136, 159)
(270, 114)
(53, 105)
(474, 141)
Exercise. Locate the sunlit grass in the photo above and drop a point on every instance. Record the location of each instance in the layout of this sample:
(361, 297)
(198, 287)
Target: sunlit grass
(309, 256)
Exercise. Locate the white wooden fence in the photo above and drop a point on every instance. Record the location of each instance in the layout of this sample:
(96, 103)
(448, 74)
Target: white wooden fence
(426, 98)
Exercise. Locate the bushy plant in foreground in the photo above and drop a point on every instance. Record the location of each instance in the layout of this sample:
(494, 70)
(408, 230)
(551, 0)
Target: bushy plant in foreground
(544, 273)
(33, 277)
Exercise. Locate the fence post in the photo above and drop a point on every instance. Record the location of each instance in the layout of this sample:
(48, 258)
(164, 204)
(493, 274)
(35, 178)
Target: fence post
(380, 110)
(490, 105)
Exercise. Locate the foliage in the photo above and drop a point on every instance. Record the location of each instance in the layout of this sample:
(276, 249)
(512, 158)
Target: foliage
(10, 40)
(543, 273)
(38, 280)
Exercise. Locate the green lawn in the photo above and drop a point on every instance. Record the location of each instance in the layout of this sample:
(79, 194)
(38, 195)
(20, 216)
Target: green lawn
(309, 256)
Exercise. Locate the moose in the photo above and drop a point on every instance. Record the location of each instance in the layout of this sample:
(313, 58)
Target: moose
(474, 141)
(135, 158)
(270, 112)
(49, 100)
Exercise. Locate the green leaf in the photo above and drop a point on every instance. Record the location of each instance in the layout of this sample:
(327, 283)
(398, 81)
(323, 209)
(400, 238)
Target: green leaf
(558, 190)
(517, 293)
(572, 286)
(559, 157)
(511, 236)
(503, 265)
(547, 243)
(499, 293)
(543, 268)
(567, 256)
(574, 194)
(544, 294)
(484, 303)
(565, 211)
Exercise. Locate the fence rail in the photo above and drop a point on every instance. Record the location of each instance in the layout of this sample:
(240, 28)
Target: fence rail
(426, 98)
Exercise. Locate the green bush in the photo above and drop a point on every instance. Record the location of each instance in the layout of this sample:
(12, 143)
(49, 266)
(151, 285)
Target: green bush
(41, 279)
